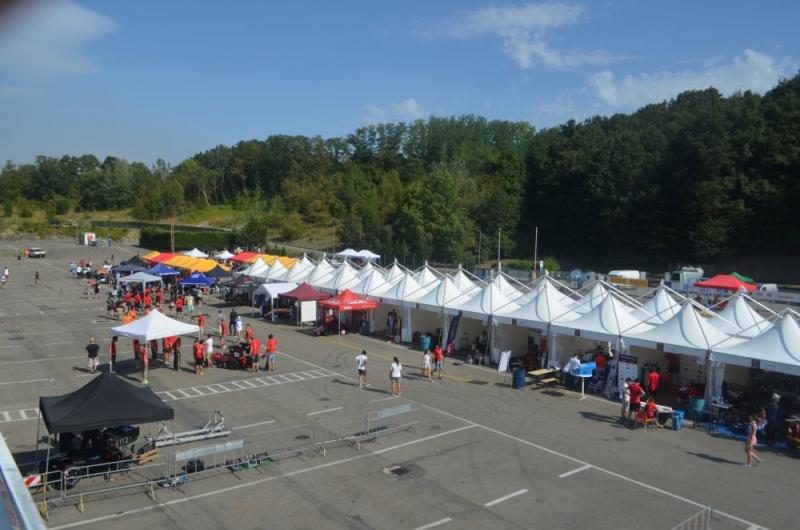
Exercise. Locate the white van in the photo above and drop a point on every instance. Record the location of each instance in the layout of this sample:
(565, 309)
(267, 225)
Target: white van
(768, 287)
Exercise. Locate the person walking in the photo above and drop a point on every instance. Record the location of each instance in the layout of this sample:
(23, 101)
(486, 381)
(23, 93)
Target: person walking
(37, 279)
(426, 365)
(750, 443)
(222, 324)
(92, 349)
(361, 366)
(190, 303)
(272, 352)
(112, 353)
(209, 349)
(395, 373)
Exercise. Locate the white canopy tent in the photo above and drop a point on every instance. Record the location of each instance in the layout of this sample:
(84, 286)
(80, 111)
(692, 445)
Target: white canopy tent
(321, 274)
(370, 282)
(276, 270)
(257, 269)
(299, 272)
(658, 309)
(348, 253)
(394, 273)
(344, 277)
(142, 278)
(545, 305)
(153, 326)
(426, 275)
(688, 333)
(195, 253)
(741, 319)
(367, 255)
(462, 281)
(272, 290)
(224, 255)
(607, 321)
(776, 350)
(591, 299)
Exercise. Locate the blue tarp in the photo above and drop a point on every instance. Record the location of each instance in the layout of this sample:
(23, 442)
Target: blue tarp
(198, 278)
(162, 270)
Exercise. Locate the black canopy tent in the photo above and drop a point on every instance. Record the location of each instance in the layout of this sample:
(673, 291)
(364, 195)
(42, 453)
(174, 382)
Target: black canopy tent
(106, 401)
(136, 260)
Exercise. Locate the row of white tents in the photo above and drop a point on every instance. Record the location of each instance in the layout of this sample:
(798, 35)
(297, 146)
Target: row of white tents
(663, 321)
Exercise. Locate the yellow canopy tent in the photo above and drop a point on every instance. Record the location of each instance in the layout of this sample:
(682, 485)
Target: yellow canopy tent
(150, 255)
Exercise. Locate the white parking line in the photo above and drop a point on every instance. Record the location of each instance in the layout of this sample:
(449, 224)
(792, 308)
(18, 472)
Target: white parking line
(252, 425)
(434, 524)
(324, 411)
(574, 471)
(506, 497)
(175, 394)
(250, 484)
(61, 342)
(23, 382)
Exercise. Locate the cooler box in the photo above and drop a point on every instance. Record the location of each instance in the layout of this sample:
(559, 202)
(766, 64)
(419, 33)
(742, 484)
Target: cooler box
(518, 378)
(677, 420)
(585, 370)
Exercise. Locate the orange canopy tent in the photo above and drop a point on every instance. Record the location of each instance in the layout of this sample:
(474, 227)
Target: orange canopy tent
(726, 282)
(245, 257)
(161, 258)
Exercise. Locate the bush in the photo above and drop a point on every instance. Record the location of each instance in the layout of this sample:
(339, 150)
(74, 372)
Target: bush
(155, 239)
(25, 210)
(8, 209)
(550, 264)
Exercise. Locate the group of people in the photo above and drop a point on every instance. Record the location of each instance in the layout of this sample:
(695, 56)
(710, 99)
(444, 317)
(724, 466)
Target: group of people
(429, 361)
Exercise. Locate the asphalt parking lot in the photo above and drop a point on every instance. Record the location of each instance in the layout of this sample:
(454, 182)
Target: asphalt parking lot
(482, 455)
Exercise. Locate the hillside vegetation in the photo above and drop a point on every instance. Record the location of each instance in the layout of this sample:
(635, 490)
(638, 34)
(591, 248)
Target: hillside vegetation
(694, 179)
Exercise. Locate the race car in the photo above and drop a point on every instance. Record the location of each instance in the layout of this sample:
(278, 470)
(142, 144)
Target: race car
(97, 452)
(237, 356)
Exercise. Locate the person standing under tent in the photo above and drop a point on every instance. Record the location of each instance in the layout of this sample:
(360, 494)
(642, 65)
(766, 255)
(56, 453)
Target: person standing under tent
(361, 366)
(92, 349)
(272, 352)
(144, 356)
(637, 392)
(395, 374)
(625, 394)
(653, 381)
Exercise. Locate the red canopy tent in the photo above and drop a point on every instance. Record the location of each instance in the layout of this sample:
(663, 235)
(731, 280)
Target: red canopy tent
(244, 257)
(347, 300)
(164, 256)
(726, 282)
(304, 293)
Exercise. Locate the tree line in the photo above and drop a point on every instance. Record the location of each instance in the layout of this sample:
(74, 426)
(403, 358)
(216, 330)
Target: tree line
(693, 179)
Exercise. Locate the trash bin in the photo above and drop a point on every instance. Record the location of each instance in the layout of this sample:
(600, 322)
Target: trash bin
(677, 420)
(518, 378)
(425, 342)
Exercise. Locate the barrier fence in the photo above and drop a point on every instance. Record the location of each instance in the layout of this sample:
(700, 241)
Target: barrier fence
(699, 521)
(173, 469)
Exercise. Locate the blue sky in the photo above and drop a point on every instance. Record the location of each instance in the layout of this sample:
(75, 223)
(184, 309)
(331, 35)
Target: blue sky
(147, 79)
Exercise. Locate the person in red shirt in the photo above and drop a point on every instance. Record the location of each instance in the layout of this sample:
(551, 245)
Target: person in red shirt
(137, 301)
(600, 361)
(650, 408)
(179, 307)
(636, 392)
(272, 351)
(197, 353)
(148, 302)
(201, 322)
(248, 332)
(438, 359)
(255, 347)
(159, 298)
(653, 381)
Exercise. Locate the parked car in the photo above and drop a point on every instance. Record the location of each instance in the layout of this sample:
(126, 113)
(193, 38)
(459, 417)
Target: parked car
(36, 252)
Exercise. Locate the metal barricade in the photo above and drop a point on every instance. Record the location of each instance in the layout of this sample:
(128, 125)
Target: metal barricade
(84, 481)
(699, 521)
(390, 420)
(278, 443)
(206, 459)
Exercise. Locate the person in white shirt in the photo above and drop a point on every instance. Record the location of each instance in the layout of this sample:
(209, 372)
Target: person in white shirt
(625, 394)
(361, 366)
(395, 373)
(209, 349)
(426, 365)
(239, 328)
(569, 369)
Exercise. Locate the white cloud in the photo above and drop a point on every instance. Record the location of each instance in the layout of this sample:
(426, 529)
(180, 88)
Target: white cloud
(752, 71)
(44, 39)
(406, 110)
(524, 31)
